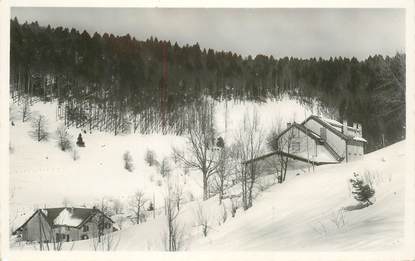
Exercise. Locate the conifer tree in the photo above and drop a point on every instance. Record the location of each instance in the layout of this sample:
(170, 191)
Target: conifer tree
(362, 191)
(80, 141)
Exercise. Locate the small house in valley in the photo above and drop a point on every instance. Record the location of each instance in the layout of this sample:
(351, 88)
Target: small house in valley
(65, 224)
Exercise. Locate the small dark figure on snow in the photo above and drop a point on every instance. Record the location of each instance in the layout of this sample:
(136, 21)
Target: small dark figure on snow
(84, 131)
(80, 142)
(12, 123)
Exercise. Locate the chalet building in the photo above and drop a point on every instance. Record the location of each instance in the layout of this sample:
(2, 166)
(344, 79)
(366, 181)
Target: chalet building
(318, 141)
(65, 224)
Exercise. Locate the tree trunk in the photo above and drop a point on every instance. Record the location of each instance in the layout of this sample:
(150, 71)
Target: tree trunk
(205, 186)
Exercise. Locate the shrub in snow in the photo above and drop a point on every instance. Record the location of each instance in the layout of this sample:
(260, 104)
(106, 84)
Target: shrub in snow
(150, 157)
(220, 143)
(75, 155)
(191, 196)
(39, 128)
(159, 183)
(164, 167)
(361, 190)
(128, 161)
(11, 148)
(202, 219)
(234, 207)
(80, 142)
(64, 138)
(224, 214)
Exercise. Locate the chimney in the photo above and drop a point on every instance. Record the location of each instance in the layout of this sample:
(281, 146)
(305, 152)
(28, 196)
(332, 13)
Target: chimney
(359, 129)
(344, 129)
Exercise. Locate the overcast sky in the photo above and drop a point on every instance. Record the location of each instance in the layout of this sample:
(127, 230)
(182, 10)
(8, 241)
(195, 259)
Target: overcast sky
(279, 32)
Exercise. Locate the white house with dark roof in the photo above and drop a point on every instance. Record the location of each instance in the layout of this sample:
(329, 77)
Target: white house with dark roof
(318, 141)
(65, 224)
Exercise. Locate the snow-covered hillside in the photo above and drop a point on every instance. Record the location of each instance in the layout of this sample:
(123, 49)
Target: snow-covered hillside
(41, 175)
(304, 213)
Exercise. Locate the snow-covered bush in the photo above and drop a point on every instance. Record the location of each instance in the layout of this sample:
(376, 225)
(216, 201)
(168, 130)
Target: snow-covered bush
(64, 138)
(224, 215)
(75, 154)
(234, 207)
(202, 219)
(150, 157)
(11, 148)
(128, 161)
(164, 167)
(361, 190)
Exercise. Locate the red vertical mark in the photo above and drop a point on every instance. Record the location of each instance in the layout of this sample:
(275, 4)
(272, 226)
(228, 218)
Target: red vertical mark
(163, 96)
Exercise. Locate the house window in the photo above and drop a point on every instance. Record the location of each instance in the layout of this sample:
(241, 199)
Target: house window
(107, 225)
(295, 146)
(84, 237)
(85, 228)
(323, 133)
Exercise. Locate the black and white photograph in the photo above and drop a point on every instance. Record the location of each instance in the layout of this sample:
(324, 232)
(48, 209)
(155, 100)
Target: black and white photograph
(188, 129)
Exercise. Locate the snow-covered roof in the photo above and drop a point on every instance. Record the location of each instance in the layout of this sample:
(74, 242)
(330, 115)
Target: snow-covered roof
(67, 218)
(359, 139)
(332, 122)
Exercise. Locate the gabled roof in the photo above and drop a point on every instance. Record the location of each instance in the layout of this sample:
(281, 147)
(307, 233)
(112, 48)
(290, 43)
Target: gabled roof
(328, 126)
(66, 216)
(304, 129)
(293, 156)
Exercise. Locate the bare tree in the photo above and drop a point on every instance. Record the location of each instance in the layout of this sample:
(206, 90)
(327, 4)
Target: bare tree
(221, 178)
(25, 110)
(282, 145)
(200, 153)
(136, 206)
(64, 138)
(117, 206)
(106, 242)
(248, 146)
(39, 128)
(173, 237)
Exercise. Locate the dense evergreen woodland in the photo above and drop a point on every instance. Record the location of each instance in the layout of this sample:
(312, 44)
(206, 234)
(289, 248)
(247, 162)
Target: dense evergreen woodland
(117, 83)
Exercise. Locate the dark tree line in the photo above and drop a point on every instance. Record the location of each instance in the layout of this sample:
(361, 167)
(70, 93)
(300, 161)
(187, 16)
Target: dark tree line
(118, 83)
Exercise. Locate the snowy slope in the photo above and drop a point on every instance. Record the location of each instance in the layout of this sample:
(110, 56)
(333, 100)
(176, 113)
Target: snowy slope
(41, 175)
(296, 215)
(299, 215)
